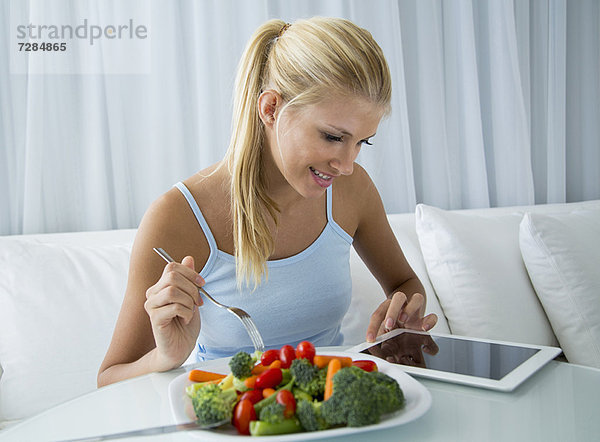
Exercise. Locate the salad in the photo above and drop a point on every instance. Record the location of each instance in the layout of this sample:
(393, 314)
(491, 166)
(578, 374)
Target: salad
(292, 390)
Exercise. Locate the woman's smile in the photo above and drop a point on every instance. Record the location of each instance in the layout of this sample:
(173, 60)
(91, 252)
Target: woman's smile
(322, 179)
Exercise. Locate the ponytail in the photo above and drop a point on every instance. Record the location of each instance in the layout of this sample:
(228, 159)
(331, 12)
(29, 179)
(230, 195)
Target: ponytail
(250, 203)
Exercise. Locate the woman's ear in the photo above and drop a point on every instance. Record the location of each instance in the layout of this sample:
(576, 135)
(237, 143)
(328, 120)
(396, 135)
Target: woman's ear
(268, 103)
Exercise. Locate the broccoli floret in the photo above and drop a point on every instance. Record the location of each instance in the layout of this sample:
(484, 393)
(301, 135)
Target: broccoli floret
(301, 395)
(272, 413)
(241, 364)
(309, 414)
(213, 404)
(361, 398)
(322, 377)
(308, 377)
(396, 399)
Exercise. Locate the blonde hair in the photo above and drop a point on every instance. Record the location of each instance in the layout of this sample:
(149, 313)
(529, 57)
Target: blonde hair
(304, 63)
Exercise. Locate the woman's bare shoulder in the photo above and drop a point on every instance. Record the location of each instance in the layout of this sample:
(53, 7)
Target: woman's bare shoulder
(165, 221)
(356, 188)
(166, 212)
(359, 179)
(210, 186)
(351, 196)
(170, 221)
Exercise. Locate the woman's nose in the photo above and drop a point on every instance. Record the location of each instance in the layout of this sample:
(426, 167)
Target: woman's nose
(344, 162)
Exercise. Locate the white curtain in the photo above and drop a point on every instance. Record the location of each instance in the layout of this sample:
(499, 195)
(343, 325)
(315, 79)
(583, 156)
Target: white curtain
(495, 103)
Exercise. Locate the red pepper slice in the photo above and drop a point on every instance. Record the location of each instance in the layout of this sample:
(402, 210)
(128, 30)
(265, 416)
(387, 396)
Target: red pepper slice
(269, 356)
(286, 398)
(365, 364)
(287, 354)
(253, 396)
(271, 378)
(242, 415)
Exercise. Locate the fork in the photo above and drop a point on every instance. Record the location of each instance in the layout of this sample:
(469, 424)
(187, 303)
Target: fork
(247, 321)
(190, 426)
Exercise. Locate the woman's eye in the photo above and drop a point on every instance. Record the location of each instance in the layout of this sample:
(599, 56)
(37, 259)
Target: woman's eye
(332, 138)
(367, 142)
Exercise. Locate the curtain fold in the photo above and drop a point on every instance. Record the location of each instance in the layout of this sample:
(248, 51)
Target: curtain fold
(583, 100)
(495, 103)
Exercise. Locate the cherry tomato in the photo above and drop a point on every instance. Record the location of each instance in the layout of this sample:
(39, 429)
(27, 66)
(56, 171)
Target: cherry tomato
(253, 396)
(242, 415)
(269, 357)
(366, 365)
(306, 350)
(286, 355)
(286, 398)
(270, 378)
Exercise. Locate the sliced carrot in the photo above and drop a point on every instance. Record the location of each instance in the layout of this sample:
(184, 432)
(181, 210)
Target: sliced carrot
(268, 392)
(204, 376)
(214, 381)
(332, 368)
(322, 361)
(250, 381)
(259, 368)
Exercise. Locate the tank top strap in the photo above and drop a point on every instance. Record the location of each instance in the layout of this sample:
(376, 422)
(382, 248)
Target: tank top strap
(330, 204)
(330, 219)
(199, 217)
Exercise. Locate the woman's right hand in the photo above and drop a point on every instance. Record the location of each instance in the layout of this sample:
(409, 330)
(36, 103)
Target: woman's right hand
(172, 305)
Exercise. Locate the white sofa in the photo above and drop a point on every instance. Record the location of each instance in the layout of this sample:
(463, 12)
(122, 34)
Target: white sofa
(492, 273)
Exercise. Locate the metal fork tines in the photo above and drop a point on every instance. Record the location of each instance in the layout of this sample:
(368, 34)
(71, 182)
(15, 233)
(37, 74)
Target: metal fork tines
(247, 322)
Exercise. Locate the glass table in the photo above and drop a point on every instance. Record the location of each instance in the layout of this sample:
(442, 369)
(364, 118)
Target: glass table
(559, 403)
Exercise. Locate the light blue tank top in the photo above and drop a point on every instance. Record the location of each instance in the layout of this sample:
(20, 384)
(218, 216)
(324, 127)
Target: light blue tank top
(305, 297)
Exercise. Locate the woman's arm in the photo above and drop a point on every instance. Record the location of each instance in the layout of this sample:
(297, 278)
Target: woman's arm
(377, 246)
(159, 321)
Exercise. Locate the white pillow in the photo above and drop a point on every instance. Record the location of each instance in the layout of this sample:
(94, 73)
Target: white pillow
(562, 255)
(59, 306)
(475, 266)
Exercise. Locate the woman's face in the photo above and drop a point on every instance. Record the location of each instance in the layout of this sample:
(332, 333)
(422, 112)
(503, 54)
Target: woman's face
(320, 142)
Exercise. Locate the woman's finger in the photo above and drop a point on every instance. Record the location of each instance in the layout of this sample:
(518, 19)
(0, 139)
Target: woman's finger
(376, 320)
(185, 268)
(170, 295)
(429, 322)
(175, 278)
(412, 308)
(394, 310)
(164, 315)
(169, 303)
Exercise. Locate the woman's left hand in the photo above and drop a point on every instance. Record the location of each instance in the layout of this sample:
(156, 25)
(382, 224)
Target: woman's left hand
(396, 312)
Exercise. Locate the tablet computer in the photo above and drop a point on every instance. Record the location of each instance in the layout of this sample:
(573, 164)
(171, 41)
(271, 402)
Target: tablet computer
(477, 362)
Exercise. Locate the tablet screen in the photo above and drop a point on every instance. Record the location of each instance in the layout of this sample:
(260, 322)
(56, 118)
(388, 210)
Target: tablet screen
(473, 358)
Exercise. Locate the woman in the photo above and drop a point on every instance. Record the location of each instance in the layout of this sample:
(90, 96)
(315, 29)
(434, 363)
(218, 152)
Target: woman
(269, 227)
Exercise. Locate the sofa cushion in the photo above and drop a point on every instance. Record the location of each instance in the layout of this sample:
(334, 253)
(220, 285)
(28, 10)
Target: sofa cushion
(474, 263)
(59, 305)
(562, 255)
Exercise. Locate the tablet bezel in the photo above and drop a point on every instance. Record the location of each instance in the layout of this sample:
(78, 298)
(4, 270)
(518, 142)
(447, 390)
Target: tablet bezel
(508, 383)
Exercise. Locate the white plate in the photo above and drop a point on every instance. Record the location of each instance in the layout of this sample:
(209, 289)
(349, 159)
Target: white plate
(418, 401)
